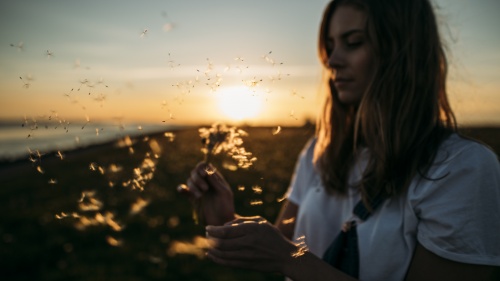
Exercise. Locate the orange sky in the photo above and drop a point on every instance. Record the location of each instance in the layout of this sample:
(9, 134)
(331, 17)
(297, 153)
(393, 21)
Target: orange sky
(160, 62)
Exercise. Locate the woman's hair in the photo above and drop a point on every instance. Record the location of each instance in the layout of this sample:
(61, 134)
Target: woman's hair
(404, 114)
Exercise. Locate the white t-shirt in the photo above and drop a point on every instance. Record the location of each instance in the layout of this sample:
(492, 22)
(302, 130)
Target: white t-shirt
(456, 215)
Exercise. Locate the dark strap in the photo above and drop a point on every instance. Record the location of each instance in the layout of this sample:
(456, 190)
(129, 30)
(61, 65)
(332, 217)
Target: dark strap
(343, 252)
(362, 212)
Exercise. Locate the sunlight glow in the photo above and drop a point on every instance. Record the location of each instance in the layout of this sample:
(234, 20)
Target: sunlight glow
(239, 103)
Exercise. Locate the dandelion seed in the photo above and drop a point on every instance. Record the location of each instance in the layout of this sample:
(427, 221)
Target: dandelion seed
(88, 202)
(93, 166)
(52, 181)
(40, 170)
(171, 63)
(113, 168)
(210, 171)
(96, 131)
(257, 189)
(144, 33)
(256, 202)
(25, 84)
(63, 215)
(138, 206)
(109, 219)
(241, 188)
(125, 142)
(49, 54)
(252, 82)
(60, 155)
(268, 59)
(113, 241)
(197, 247)
(60, 216)
(101, 82)
(170, 136)
(87, 118)
(301, 247)
(101, 98)
(279, 200)
(32, 160)
(292, 115)
(288, 221)
(19, 46)
(229, 166)
(155, 147)
(277, 130)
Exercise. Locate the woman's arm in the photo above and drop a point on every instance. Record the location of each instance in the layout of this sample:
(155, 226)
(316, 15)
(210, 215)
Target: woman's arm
(286, 219)
(258, 245)
(426, 265)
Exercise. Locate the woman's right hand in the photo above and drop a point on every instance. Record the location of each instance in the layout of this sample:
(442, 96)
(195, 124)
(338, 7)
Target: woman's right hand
(208, 189)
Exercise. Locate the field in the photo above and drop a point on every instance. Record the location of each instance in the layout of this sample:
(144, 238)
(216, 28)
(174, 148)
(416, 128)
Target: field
(131, 223)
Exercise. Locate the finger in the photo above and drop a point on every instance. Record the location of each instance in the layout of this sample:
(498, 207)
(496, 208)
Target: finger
(217, 181)
(232, 254)
(240, 220)
(228, 231)
(224, 261)
(228, 244)
(199, 180)
(193, 189)
(235, 260)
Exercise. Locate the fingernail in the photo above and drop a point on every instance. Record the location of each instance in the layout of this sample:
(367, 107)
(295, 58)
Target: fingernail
(182, 187)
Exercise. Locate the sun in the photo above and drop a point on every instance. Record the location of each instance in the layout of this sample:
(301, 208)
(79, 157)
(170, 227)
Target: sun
(239, 102)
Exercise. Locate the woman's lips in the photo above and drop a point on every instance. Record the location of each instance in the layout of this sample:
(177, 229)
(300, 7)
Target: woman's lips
(342, 82)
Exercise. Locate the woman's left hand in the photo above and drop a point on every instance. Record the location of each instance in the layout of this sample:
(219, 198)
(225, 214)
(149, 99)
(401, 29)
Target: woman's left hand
(253, 244)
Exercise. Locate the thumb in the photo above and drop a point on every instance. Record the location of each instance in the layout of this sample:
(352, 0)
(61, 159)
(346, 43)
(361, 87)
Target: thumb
(227, 231)
(216, 180)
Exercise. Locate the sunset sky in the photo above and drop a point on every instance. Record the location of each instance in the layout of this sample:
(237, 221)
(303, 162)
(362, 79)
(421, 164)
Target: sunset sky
(192, 61)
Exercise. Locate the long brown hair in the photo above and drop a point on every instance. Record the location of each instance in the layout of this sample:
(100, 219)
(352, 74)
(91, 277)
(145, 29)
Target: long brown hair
(404, 114)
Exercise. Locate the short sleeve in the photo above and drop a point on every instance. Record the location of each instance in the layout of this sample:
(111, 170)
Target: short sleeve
(458, 205)
(302, 174)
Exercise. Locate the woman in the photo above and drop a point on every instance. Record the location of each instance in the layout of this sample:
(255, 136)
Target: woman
(387, 135)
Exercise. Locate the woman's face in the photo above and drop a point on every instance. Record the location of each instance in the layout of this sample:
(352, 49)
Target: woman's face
(350, 54)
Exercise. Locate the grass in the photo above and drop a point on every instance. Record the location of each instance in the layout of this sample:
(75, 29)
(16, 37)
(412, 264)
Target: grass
(34, 245)
(37, 246)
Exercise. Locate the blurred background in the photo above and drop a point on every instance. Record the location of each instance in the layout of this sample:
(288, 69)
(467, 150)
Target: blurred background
(186, 62)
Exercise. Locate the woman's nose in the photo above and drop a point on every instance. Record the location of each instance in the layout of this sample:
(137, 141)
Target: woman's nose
(336, 59)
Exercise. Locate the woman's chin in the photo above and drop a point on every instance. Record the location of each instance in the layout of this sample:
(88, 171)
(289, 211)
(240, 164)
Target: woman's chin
(348, 98)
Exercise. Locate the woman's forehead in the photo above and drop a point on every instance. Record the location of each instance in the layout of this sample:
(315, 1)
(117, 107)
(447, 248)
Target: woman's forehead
(345, 19)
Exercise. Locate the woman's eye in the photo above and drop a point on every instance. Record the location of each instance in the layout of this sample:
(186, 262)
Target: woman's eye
(354, 44)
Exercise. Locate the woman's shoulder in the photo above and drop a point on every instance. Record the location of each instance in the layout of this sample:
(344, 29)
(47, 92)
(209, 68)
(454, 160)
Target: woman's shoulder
(455, 201)
(458, 150)
(307, 152)
(461, 164)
